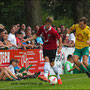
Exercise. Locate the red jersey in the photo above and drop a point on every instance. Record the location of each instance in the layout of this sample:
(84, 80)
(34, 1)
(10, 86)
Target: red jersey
(50, 37)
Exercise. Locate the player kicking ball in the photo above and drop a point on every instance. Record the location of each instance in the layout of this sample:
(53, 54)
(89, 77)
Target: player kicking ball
(81, 44)
(50, 36)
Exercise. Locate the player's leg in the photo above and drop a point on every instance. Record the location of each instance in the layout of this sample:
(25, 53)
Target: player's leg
(75, 59)
(46, 70)
(54, 67)
(56, 70)
(85, 52)
(46, 66)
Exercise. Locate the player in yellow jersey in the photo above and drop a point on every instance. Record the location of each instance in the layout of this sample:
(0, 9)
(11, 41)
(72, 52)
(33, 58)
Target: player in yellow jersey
(82, 43)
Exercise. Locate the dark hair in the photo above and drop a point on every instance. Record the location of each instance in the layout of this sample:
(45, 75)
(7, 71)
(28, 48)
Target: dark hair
(1, 30)
(49, 19)
(13, 60)
(17, 61)
(69, 56)
(19, 32)
(83, 19)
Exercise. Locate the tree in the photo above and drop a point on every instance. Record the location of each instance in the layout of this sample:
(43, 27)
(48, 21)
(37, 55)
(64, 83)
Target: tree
(80, 8)
(33, 12)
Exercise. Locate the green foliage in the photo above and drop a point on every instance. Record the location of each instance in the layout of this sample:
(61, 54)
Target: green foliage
(64, 21)
(12, 12)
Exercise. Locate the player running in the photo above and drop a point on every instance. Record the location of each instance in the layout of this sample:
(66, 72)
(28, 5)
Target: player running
(81, 44)
(50, 36)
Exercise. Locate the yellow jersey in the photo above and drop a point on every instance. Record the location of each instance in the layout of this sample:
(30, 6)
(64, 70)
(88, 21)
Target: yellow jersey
(82, 36)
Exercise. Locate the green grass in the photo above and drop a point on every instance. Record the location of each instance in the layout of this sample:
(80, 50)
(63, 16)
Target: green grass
(70, 82)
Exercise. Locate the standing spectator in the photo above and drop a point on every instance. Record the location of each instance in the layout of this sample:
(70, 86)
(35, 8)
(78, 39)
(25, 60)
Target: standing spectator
(29, 28)
(59, 30)
(72, 37)
(2, 34)
(62, 29)
(23, 27)
(36, 28)
(11, 36)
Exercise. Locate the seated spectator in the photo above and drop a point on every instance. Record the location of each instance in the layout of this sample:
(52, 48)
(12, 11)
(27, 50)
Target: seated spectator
(68, 64)
(24, 72)
(23, 27)
(11, 36)
(7, 42)
(5, 74)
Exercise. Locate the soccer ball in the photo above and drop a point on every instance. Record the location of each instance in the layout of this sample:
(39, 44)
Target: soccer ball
(53, 80)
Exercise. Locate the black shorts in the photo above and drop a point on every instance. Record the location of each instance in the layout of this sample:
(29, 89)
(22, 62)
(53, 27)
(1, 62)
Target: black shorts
(50, 53)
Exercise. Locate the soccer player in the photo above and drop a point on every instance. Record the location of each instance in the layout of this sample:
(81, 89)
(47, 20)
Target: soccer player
(50, 36)
(81, 44)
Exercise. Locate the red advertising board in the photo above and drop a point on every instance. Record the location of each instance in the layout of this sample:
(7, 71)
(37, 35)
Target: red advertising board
(25, 57)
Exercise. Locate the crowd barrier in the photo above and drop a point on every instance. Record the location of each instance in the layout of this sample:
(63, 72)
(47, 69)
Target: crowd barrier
(34, 57)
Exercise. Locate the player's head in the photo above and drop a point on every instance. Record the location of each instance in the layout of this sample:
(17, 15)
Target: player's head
(70, 58)
(48, 22)
(83, 22)
(13, 62)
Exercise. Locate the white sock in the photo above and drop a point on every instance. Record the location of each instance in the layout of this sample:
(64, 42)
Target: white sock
(55, 69)
(46, 69)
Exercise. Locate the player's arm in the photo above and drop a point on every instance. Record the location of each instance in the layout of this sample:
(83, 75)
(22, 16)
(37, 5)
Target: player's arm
(71, 29)
(88, 42)
(32, 38)
(60, 45)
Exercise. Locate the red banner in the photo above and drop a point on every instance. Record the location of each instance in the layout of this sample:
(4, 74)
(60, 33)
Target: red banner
(25, 57)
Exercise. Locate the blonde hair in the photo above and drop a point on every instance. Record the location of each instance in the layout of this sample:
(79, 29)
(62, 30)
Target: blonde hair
(49, 19)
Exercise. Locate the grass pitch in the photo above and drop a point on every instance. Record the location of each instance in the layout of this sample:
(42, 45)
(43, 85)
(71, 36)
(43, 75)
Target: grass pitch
(70, 82)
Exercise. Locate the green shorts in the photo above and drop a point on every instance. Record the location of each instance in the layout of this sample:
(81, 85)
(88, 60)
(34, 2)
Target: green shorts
(81, 52)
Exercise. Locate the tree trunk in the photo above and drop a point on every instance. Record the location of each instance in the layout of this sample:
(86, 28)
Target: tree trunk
(80, 8)
(33, 12)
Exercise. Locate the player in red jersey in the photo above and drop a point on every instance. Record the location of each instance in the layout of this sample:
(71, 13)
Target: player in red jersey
(50, 36)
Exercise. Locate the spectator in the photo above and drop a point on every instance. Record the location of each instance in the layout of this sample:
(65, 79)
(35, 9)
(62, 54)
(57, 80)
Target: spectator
(62, 29)
(36, 28)
(29, 28)
(28, 35)
(68, 64)
(59, 30)
(54, 27)
(11, 36)
(72, 37)
(6, 74)
(23, 27)
(7, 42)
(2, 34)
(2, 26)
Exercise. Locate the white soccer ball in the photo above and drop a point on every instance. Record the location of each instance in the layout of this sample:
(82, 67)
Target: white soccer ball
(53, 80)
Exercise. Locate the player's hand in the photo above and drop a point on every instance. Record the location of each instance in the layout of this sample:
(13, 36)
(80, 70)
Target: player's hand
(88, 42)
(23, 40)
(59, 50)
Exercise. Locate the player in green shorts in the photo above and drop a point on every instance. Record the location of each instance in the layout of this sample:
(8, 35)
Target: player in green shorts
(82, 42)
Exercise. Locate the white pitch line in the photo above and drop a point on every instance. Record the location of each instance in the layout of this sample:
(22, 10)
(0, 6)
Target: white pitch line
(39, 89)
